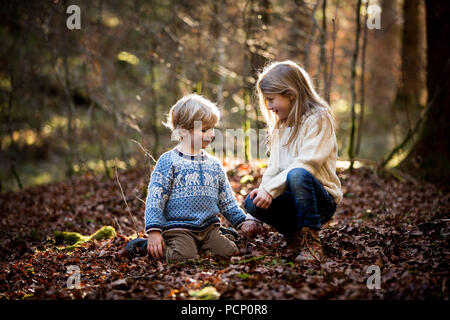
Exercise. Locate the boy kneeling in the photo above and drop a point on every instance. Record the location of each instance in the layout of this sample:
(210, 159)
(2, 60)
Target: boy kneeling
(189, 188)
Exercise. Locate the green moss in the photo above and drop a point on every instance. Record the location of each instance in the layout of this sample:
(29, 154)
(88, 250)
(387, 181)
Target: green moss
(29, 295)
(70, 248)
(70, 238)
(251, 259)
(243, 276)
(34, 235)
(74, 239)
(106, 232)
(207, 293)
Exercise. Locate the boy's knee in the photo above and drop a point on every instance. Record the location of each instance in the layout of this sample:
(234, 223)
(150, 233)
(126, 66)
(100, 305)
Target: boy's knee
(180, 253)
(231, 251)
(225, 250)
(179, 246)
(218, 244)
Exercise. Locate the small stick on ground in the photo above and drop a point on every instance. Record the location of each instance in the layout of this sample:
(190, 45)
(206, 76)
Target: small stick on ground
(124, 199)
(117, 222)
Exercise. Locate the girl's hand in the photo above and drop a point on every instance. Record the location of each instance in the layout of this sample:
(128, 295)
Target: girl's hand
(155, 244)
(262, 199)
(253, 193)
(251, 228)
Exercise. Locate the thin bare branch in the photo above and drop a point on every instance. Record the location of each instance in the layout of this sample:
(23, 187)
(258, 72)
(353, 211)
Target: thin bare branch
(124, 199)
(143, 149)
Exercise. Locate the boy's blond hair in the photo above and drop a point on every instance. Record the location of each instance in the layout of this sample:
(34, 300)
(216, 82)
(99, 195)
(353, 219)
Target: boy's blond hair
(192, 108)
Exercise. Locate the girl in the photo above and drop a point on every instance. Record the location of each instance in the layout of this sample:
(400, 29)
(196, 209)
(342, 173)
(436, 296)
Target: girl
(299, 189)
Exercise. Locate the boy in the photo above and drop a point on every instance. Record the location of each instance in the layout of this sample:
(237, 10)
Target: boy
(188, 188)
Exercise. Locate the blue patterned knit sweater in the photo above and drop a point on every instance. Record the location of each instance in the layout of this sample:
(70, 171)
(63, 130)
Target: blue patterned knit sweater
(188, 192)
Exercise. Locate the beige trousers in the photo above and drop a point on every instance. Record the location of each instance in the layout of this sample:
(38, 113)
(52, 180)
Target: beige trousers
(187, 244)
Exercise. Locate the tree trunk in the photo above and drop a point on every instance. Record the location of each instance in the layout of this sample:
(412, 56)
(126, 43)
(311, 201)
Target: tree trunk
(383, 56)
(311, 35)
(300, 33)
(323, 49)
(254, 61)
(333, 49)
(15, 150)
(362, 84)
(406, 105)
(411, 54)
(351, 151)
(429, 157)
(154, 110)
(71, 132)
(216, 27)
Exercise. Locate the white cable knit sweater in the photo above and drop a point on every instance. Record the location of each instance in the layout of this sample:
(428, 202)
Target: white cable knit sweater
(313, 149)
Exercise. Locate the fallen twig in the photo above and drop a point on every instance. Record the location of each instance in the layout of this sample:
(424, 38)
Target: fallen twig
(124, 199)
(117, 222)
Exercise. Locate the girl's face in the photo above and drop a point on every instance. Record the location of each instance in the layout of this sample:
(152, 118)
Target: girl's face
(279, 104)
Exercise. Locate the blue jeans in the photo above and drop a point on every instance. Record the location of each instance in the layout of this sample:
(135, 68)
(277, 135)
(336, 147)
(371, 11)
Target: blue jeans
(305, 203)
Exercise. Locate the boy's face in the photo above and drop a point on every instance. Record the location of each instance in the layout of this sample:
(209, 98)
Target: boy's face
(202, 138)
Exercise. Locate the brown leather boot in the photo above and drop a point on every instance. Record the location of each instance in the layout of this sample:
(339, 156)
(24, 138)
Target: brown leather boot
(311, 247)
(294, 241)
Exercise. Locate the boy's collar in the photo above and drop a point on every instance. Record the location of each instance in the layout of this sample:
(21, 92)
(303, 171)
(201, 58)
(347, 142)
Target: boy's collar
(199, 156)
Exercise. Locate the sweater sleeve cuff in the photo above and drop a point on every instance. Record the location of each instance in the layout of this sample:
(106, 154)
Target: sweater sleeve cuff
(240, 221)
(150, 228)
(239, 225)
(275, 191)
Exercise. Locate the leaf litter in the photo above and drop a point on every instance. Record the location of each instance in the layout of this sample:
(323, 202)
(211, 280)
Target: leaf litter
(400, 226)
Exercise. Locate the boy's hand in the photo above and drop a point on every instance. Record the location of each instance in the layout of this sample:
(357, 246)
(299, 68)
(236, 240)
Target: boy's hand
(251, 228)
(155, 244)
(262, 200)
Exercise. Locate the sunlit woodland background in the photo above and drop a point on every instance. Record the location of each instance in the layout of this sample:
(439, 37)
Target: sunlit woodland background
(73, 101)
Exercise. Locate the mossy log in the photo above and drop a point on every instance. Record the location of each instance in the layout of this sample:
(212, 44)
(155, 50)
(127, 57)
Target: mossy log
(74, 239)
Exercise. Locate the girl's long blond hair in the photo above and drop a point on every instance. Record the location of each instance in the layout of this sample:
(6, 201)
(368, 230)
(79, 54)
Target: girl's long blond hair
(288, 78)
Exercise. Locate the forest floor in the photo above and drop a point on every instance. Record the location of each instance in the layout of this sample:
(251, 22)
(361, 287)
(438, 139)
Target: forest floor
(400, 226)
